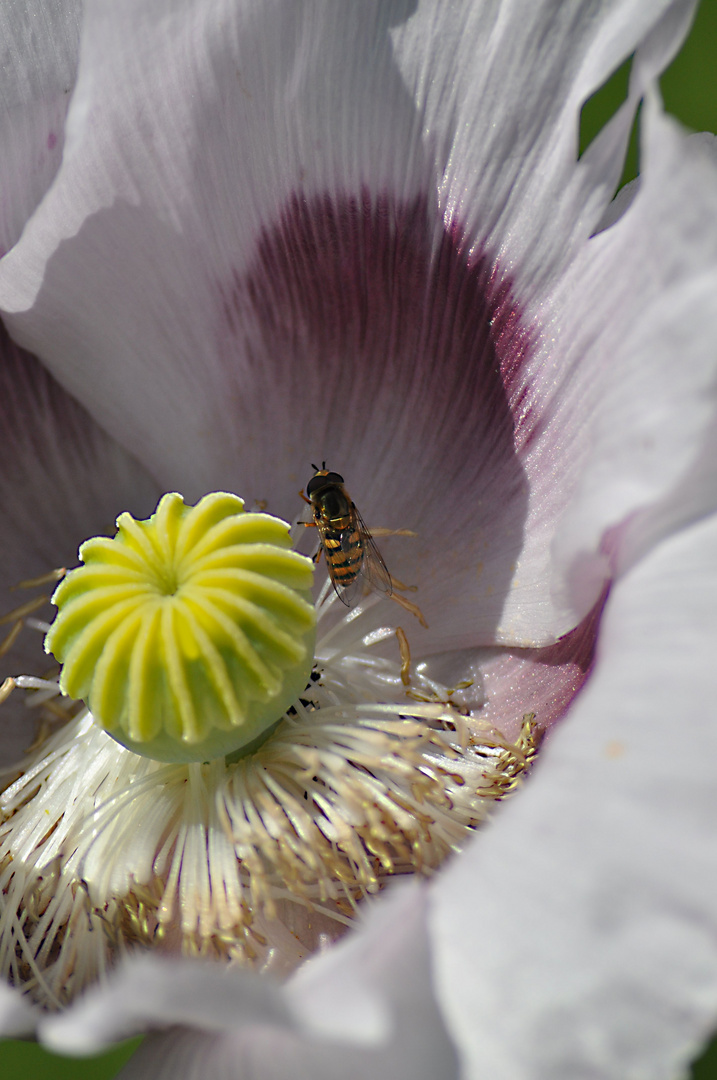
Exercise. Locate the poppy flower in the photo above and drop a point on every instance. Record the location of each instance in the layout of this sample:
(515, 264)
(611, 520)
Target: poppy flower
(267, 235)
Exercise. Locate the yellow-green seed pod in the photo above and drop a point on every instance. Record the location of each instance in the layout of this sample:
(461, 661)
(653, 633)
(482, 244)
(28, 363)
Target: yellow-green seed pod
(187, 635)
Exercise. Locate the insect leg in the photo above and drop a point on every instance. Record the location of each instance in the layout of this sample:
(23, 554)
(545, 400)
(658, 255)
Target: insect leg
(400, 585)
(408, 606)
(381, 531)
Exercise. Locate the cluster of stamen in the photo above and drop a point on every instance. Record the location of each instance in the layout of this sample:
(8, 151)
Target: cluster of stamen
(255, 861)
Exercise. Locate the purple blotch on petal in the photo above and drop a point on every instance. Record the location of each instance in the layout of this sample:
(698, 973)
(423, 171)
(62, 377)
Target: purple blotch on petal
(366, 330)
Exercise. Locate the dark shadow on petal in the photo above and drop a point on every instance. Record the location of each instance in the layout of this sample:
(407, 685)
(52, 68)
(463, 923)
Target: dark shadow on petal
(62, 479)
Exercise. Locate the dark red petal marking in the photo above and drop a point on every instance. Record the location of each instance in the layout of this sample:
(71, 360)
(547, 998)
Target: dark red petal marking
(366, 314)
(390, 351)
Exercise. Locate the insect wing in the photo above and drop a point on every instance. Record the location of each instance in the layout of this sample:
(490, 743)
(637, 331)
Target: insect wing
(373, 568)
(347, 594)
(357, 544)
(343, 559)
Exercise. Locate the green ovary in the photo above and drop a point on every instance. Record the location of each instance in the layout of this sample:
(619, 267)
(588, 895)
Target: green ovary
(190, 634)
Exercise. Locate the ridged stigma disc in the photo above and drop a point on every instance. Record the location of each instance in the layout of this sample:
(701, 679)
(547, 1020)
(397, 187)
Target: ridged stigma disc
(187, 635)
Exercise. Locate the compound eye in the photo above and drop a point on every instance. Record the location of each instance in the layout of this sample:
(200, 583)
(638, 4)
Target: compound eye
(321, 480)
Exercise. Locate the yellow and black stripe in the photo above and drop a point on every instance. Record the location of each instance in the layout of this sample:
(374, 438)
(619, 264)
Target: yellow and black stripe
(344, 554)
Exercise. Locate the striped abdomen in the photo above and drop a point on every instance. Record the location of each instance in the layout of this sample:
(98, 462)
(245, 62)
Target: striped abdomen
(344, 550)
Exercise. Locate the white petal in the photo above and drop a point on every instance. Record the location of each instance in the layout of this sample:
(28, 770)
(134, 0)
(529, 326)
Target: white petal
(500, 85)
(18, 1017)
(577, 936)
(363, 1008)
(39, 58)
(367, 987)
(653, 404)
(620, 398)
(150, 992)
(502, 177)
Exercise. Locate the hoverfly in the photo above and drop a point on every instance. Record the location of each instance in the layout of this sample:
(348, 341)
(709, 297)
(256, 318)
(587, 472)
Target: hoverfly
(351, 554)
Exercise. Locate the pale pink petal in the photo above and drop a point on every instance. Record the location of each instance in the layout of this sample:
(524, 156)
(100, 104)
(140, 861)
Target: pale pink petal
(505, 685)
(577, 936)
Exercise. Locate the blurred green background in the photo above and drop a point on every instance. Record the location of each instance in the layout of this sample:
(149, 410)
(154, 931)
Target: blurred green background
(689, 90)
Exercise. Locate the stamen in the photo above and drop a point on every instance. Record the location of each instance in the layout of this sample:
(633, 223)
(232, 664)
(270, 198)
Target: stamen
(257, 861)
(44, 579)
(9, 640)
(7, 688)
(208, 856)
(21, 615)
(22, 610)
(405, 656)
